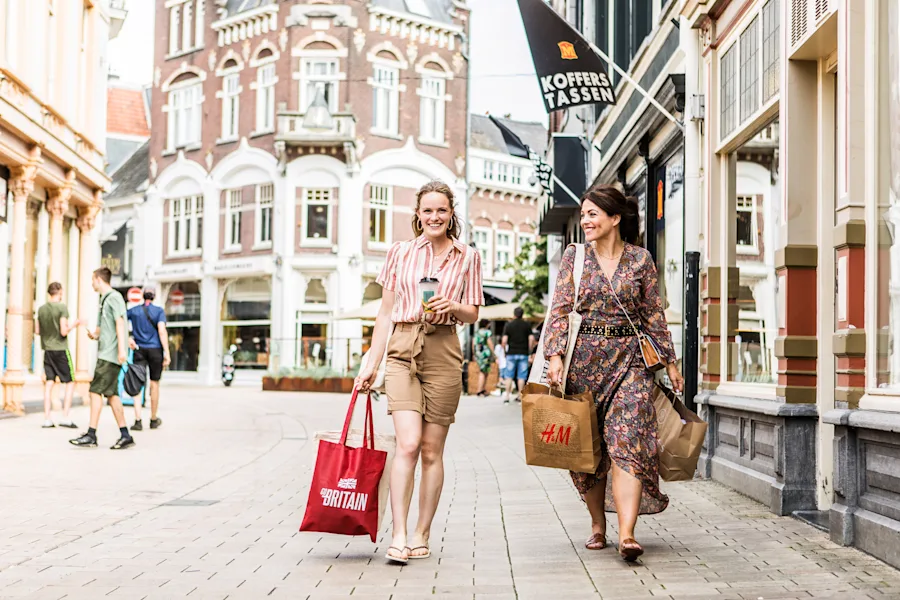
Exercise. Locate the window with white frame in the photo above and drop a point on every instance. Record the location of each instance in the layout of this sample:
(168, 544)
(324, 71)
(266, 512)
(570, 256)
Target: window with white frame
(746, 235)
(771, 23)
(482, 238)
(265, 98)
(234, 201)
(185, 225)
(516, 178)
(319, 74)
(184, 113)
(504, 251)
(386, 100)
(489, 170)
(727, 74)
(380, 214)
(749, 69)
(502, 172)
(749, 73)
(265, 197)
(317, 213)
(432, 109)
(231, 97)
(524, 239)
(186, 23)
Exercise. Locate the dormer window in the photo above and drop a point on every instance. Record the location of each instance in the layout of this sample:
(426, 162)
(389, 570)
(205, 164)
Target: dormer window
(187, 19)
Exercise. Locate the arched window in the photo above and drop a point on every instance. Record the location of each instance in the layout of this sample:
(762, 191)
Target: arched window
(434, 74)
(184, 110)
(320, 69)
(231, 98)
(386, 65)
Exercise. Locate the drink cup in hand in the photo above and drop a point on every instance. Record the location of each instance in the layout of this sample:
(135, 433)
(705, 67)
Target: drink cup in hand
(428, 288)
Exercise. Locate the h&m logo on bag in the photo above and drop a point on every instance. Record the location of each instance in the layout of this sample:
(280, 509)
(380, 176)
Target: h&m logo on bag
(552, 435)
(344, 497)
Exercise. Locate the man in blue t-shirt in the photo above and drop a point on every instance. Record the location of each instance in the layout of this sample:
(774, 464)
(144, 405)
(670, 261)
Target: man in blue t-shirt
(150, 342)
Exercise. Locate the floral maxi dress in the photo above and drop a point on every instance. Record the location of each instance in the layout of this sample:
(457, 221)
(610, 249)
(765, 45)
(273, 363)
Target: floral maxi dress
(612, 367)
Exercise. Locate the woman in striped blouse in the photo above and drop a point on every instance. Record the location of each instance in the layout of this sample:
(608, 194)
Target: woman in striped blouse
(423, 377)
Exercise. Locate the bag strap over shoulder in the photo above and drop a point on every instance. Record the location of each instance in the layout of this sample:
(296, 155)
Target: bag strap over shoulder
(578, 272)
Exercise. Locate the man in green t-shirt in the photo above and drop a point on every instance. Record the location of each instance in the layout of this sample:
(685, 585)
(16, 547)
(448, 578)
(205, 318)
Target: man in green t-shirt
(111, 355)
(53, 326)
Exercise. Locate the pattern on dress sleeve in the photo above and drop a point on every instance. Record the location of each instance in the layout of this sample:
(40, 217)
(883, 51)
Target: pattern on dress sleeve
(557, 332)
(473, 290)
(651, 311)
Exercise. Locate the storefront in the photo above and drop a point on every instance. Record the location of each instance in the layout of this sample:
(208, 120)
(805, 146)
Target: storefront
(183, 324)
(246, 321)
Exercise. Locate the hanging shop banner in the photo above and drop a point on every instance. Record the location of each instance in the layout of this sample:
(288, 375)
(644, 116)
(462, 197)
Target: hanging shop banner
(516, 147)
(570, 73)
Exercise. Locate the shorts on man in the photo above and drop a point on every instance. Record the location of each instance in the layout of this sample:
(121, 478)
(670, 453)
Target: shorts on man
(153, 358)
(58, 365)
(106, 379)
(516, 366)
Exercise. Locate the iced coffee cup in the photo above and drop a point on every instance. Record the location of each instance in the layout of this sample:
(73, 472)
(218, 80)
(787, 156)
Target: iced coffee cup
(428, 287)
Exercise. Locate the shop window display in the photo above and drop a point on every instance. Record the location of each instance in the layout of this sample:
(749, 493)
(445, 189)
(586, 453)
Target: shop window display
(757, 217)
(888, 198)
(183, 324)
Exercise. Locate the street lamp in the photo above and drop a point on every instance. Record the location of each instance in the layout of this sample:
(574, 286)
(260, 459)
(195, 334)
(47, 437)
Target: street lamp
(317, 117)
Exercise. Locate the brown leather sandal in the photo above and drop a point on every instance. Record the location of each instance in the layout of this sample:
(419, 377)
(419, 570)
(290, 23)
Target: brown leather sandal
(597, 541)
(630, 550)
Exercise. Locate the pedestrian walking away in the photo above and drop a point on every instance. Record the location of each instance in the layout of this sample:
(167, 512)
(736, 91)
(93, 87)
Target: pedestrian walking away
(423, 375)
(618, 276)
(150, 342)
(53, 325)
(519, 342)
(110, 334)
(483, 351)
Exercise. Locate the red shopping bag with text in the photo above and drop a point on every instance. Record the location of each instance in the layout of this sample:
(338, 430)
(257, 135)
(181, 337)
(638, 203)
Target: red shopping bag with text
(343, 496)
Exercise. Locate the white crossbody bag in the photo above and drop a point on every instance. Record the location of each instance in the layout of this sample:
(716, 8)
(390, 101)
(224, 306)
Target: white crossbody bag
(539, 369)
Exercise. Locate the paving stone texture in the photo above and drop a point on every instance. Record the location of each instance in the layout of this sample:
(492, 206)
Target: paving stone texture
(209, 505)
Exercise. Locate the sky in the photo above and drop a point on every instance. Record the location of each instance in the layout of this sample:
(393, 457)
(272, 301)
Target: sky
(502, 74)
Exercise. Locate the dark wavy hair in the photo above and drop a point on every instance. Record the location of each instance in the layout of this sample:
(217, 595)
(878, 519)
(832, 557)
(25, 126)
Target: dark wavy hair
(454, 229)
(613, 202)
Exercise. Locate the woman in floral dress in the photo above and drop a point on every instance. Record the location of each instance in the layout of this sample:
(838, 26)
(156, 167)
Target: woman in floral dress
(608, 362)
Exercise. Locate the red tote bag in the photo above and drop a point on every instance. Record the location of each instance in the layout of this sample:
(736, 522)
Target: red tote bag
(343, 496)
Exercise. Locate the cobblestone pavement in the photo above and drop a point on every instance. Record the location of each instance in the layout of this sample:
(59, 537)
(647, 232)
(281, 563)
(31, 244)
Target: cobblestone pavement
(208, 506)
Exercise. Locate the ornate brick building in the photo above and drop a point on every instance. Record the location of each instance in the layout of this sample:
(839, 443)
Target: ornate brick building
(288, 141)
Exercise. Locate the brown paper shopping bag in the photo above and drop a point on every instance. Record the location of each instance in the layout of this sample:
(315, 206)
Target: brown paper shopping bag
(680, 434)
(560, 431)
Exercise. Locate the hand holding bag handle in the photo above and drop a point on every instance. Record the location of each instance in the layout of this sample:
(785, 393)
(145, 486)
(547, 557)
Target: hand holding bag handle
(649, 352)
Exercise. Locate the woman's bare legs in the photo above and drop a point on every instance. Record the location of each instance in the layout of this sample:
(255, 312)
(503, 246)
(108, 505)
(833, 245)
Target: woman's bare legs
(482, 381)
(627, 493)
(408, 428)
(433, 438)
(595, 498)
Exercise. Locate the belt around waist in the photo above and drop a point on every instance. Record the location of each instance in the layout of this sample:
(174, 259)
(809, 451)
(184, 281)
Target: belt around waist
(608, 330)
(415, 326)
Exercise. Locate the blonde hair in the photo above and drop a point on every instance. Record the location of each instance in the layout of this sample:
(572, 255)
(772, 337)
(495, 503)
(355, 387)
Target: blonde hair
(454, 229)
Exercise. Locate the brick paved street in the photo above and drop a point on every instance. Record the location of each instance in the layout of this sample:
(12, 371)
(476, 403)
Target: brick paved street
(209, 506)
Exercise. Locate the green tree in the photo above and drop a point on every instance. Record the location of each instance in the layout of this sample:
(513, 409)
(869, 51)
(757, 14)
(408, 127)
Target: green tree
(531, 276)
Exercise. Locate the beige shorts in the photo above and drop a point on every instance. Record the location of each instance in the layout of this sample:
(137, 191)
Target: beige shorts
(424, 371)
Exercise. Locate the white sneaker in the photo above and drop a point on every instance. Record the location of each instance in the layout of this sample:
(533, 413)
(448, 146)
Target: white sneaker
(48, 424)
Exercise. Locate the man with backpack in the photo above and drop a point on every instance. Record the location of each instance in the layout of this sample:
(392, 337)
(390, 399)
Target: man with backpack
(150, 342)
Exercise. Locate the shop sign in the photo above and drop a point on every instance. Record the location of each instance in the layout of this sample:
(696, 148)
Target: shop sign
(257, 265)
(113, 252)
(569, 72)
(179, 272)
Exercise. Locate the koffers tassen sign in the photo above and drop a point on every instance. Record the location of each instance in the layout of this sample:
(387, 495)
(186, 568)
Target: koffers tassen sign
(569, 72)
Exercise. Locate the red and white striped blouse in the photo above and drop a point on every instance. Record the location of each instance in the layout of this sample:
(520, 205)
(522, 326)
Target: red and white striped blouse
(408, 262)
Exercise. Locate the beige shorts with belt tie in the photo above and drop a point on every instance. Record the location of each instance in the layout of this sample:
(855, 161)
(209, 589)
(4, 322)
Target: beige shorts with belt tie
(424, 371)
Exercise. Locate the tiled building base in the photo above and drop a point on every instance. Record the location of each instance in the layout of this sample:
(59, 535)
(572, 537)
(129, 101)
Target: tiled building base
(866, 511)
(761, 448)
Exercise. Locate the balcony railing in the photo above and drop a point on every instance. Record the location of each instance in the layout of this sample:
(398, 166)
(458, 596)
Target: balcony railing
(291, 130)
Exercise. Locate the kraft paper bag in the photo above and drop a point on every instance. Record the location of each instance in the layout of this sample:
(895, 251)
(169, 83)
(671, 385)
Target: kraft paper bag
(680, 435)
(560, 430)
(387, 443)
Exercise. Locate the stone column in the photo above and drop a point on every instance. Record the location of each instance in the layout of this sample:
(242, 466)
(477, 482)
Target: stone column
(22, 184)
(87, 304)
(58, 206)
